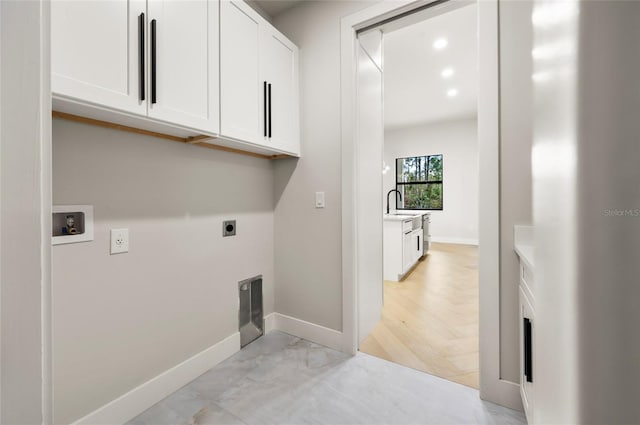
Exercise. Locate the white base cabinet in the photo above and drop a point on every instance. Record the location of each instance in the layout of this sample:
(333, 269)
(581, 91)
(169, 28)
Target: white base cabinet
(527, 319)
(407, 253)
(402, 248)
(527, 357)
(416, 246)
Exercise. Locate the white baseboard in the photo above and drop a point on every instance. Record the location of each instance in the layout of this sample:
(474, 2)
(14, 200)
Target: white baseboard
(504, 393)
(136, 401)
(461, 241)
(307, 330)
(139, 399)
(269, 322)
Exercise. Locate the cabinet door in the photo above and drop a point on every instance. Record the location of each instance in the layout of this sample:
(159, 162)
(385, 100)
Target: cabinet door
(408, 249)
(280, 71)
(527, 354)
(417, 244)
(96, 52)
(241, 91)
(186, 63)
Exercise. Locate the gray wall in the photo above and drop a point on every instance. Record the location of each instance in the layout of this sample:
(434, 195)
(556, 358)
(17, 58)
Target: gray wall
(608, 268)
(515, 166)
(24, 159)
(121, 320)
(308, 241)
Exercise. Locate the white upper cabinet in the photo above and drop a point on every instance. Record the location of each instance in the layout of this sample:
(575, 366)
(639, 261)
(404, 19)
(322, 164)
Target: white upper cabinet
(157, 58)
(96, 48)
(280, 71)
(183, 62)
(180, 67)
(241, 92)
(259, 80)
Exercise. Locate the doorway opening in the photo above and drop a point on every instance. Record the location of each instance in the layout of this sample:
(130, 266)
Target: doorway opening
(428, 69)
(361, 246)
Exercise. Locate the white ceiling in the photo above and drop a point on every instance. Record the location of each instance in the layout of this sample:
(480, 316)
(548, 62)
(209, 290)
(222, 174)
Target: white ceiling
(275, 7)
(414, 90)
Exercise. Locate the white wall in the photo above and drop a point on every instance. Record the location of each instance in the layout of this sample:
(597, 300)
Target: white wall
(24, 200)
(121, 320)
(555, 182)
(457, 141)
(587, 213)
(309, 279)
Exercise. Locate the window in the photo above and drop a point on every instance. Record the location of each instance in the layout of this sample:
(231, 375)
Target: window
(419, 180)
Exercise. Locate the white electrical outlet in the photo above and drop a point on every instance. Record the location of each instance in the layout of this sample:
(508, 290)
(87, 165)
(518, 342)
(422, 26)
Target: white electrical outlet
(119, 241)
(319, 199)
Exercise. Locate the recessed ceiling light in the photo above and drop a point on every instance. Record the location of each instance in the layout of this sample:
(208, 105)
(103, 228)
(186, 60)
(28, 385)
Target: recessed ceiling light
(452, 92)
(447, 72)
(440, 43)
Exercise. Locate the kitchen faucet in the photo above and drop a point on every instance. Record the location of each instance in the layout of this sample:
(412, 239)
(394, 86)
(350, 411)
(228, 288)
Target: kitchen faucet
(389, 193)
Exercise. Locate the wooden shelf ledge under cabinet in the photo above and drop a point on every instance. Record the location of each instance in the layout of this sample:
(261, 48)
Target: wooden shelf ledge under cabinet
(201, 140)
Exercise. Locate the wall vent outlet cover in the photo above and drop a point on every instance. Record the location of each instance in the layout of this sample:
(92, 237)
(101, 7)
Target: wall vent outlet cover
(228, 228)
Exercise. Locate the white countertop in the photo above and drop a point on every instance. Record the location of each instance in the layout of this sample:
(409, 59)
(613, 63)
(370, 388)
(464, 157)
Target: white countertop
(525, 252)
(523, 245)
(400, 216)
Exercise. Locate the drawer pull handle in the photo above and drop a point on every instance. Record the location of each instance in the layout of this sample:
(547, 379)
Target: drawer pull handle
(528, 350)
(153, 61)
(269, 110)
(141, 25)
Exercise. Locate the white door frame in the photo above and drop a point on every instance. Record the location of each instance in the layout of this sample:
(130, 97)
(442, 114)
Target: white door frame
(26, 205)
(492, 387)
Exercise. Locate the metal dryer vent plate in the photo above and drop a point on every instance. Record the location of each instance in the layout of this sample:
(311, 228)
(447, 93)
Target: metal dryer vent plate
(250, 314)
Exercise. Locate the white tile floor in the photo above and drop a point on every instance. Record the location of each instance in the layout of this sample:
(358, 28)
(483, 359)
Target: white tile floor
(281, 379)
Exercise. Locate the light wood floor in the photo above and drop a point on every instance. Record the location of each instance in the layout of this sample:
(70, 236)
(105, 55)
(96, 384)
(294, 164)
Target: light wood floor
(430, 319)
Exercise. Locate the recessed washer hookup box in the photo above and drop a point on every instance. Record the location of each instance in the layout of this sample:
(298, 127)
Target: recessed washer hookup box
(71, 224)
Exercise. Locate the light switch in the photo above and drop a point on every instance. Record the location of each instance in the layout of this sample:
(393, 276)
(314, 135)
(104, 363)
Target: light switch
(319, 199)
